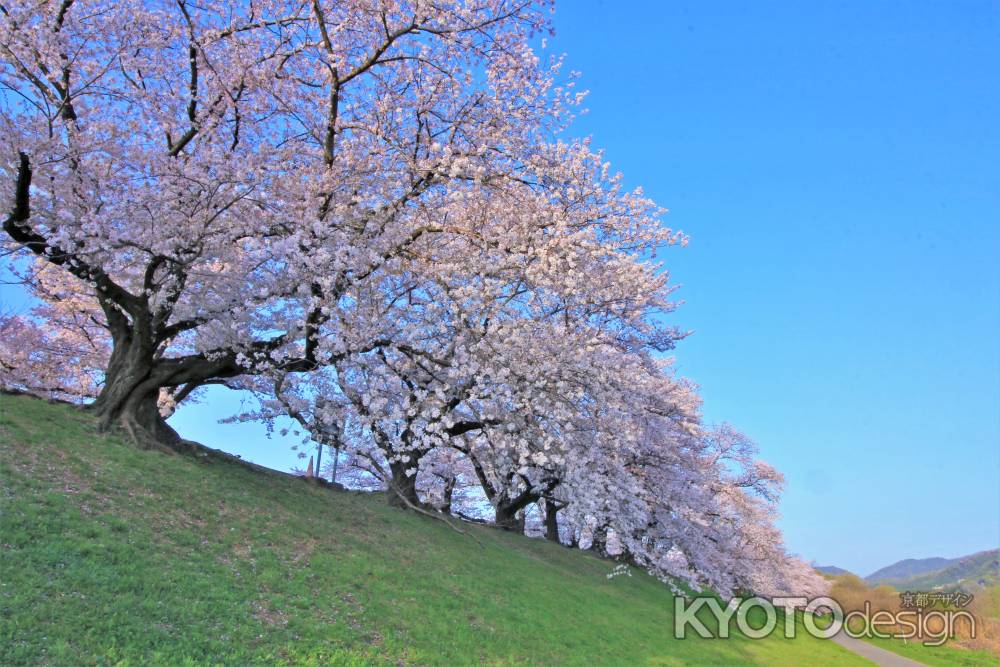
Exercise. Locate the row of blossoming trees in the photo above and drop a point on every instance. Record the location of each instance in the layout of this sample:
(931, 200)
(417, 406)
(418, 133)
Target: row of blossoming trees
(367, 212)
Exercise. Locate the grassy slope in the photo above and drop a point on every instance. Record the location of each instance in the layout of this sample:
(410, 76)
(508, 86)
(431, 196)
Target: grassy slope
(947, 655)
(110, 554)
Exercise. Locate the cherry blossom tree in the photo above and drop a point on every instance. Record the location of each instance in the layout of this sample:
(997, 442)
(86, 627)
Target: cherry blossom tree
(699, 508)
(59, 347)
(55, 364)
(368, 213)
(223, 178)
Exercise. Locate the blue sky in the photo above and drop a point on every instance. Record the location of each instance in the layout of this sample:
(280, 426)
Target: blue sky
(837, 166)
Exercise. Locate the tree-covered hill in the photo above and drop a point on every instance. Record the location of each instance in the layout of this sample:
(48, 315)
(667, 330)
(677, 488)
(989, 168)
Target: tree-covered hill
(908, 569)
(972, 573)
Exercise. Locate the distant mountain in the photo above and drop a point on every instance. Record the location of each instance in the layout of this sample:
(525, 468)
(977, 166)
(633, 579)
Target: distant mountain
(831, 569)
(907, 569)
(975, 571)
(968, 572)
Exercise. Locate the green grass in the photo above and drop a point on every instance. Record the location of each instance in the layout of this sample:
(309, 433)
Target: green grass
(114, 555)
(945, 655)
(951, 653)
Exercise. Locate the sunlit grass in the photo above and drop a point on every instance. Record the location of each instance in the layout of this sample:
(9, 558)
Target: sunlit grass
(114, 555)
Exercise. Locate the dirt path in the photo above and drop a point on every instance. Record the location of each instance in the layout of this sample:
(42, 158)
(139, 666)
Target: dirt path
(877, 655)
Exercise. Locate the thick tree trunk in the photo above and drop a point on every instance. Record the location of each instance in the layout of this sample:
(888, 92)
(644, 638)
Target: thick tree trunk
(507, 518)
(403, 487)
(129, 396)
(551, 522)
(449, 492)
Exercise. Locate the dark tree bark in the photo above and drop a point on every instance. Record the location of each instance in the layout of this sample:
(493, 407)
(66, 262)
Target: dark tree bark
(509, 511)
(136, 372)
(403, 486)
(131, 403)
(552, 521)
(129, 395)
(448, 494)
(137, 368)
(134, 376)
(509, 518)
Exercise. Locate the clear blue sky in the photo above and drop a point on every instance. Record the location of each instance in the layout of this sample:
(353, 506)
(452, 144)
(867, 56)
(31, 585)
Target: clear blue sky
(837, 166)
